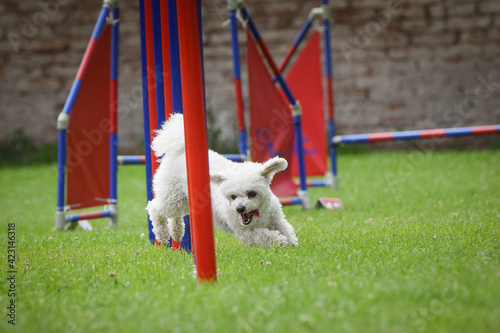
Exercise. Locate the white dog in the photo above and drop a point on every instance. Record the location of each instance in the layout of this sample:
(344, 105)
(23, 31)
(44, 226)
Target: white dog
(242, 201)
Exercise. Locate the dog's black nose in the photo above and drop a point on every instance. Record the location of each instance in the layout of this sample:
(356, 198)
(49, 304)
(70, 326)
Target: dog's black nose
(240, 209)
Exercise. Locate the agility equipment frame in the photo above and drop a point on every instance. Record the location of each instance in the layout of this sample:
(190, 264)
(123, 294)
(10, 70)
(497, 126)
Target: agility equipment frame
(110, 10)
(235, 6)
(320, 13)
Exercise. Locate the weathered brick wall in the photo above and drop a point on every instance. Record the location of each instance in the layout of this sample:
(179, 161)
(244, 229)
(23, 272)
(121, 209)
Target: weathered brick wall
(398, 64)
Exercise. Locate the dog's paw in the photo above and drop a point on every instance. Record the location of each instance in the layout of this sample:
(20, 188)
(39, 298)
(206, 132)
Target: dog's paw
(293, 240)
(161, 233)
(280, 240)
(176, 228)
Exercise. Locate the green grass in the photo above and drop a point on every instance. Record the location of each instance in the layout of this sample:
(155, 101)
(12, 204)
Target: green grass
(416, 249)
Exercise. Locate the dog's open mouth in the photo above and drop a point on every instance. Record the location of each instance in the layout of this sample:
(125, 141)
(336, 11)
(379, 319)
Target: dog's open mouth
(247, 217)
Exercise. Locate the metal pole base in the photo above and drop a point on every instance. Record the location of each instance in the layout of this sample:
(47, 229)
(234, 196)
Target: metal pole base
(60, 220)
(331, 181)
(113, 219)
(304, 196)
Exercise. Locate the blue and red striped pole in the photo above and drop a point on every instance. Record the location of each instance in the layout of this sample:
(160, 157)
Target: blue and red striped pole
(63, 119)
(419, 134)
(295, 45)
(89, 216)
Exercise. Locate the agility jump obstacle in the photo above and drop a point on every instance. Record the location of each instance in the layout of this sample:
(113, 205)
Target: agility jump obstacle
(268, 142)
(87, 155)
(310, 93)
(310, 148)
(334, 141)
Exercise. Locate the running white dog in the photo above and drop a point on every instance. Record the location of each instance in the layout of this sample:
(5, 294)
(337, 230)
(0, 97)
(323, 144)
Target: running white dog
(242, 201)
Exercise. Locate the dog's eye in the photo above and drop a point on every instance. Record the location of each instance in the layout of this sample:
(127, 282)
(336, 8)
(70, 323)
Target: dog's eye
(233, 196)
(251, 194)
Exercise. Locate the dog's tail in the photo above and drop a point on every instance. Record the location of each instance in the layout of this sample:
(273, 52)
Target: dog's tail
(170, 138)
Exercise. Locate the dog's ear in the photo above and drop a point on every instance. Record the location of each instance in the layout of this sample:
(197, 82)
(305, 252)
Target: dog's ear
(276, 164)
(217, 179)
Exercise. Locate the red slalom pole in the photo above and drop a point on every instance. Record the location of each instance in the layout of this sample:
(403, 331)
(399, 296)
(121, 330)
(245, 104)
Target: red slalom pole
(200, 207)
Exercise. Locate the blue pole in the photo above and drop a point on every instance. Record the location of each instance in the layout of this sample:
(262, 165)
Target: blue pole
(175, 73)
(300, 152)
(61, 169)
(113, 139)
(145, 108)
(158, 59)
(331, 105)
(242, 133)
(303, 32)
(175, 61)
(296, 42)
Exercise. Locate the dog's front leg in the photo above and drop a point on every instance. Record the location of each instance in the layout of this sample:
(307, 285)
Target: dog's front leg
(286, 229)
(176, 227)
(160, 228)
(262, 236)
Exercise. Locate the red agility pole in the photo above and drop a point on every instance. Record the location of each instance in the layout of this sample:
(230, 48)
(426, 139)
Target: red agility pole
(200, 208)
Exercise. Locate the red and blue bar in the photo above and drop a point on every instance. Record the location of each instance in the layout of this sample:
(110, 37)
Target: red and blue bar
(300, 37)
(90, 215)
(412, 135)
(132, 159)
(141, 159)
(291, 201)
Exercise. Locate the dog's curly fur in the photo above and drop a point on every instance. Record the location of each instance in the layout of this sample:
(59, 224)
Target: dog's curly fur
(242, 201)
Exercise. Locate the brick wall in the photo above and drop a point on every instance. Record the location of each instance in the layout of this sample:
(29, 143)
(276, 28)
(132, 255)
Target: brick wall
(398, 64)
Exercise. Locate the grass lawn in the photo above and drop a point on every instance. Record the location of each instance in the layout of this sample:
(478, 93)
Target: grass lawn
(416, 249)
